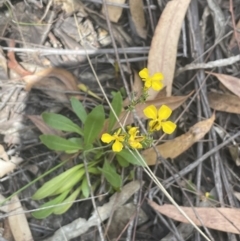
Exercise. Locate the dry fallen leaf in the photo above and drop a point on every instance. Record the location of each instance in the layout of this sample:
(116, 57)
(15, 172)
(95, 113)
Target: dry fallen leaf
(43, 127)
(3, 154)
(18, 221)
(230, 82)
(175, 147)
(114, 12)
(118, 222)
(223, 102)
(62, 81)
(7, 165)
(138, 17)
(222, 219)
(163, 50)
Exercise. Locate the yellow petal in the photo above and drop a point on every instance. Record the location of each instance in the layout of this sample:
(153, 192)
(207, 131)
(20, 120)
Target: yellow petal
(121, 138)
(144, 73)
(133, 131)
(135, 145)
(157, 76)
(157, 85)
(150, 112)
(164, 112)
(155, 125)
(106, 138)
(117, 146)
(148, 83)
(117, 132)
(168, 127)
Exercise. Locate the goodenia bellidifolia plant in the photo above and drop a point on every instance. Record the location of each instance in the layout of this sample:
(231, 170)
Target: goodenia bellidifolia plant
(89, 143)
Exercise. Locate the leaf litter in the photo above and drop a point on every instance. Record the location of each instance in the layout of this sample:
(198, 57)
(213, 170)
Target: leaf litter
(171, 50)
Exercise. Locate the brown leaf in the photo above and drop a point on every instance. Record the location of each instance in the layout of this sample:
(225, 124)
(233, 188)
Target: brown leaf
(163, 51)
(114, 12)
(18, 220)
(175, 147)
(43, 127)
(8, 166)
(13, 63)
(61, 81)
(222, 219)
(138, 17)
(230, 82)
(223, 102)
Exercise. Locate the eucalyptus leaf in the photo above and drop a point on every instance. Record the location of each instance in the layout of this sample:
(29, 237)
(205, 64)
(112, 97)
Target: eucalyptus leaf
(55, 183)
(60, 122)
(131, 157)
(67, 203)
(43, 213)
(93, 125)
(79, 109)
(109, 172)
(117, 103)
(58, 143)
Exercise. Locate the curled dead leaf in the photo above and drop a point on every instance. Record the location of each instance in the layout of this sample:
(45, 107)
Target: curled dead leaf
(8, 166)
(43, 127)
(61, 80)
(223, 102)
(175, 147)
(230, 82)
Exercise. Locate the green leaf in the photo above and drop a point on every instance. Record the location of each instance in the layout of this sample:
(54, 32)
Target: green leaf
(79, 109)
(94, 170)
(78, 141)
(122, 162)
(111, 175)
(71, 181)
(117, 106)
(58, 143)
(60, 122)
(55, 183)
(93, 125)
(41, 214)
(85, 188)
(68, 202)
(131, 157)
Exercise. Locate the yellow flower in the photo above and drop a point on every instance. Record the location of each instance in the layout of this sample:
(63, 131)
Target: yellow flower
(134, 140)
(154, 81)
(159, 119)
(117, 137)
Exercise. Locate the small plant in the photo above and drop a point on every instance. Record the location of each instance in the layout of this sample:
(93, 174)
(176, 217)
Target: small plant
(87, 141)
